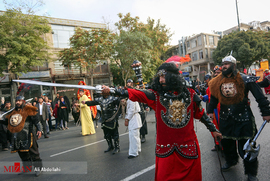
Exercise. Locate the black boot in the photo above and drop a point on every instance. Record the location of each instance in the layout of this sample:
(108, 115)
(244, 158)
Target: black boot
(110, 145)
(117, 147)
(143, 139)
(251, 169)
(37, 167)
(27, 167)
(228, 165)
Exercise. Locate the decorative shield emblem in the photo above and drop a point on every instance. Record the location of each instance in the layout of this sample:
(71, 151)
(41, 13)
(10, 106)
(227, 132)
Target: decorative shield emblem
(176, 115)
(15, 119)
(228, 89)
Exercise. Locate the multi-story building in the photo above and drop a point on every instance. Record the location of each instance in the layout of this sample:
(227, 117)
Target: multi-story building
(200, 48)
(54, 71)
(254, 26)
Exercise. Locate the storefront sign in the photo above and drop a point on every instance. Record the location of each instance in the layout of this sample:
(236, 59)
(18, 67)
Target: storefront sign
(4, 79)
(38, 74)
(66, 90)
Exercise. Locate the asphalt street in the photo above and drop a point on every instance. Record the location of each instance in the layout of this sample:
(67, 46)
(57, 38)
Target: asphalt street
(69, 148)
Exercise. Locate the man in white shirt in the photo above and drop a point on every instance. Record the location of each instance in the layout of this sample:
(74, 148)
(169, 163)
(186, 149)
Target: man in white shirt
(134, 123)
(43, 115)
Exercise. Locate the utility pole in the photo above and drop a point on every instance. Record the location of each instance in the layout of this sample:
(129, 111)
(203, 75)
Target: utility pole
(237, 15)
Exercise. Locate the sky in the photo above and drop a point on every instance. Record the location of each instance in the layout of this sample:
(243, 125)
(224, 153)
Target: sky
(182, 17)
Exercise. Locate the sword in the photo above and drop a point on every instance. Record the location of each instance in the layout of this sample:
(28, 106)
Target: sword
(250, 148)
(26, 101)
(97, 88)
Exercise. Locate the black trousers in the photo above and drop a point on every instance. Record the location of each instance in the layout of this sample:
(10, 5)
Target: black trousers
(111, 133)
(76, 116)
(44, 125)
(3, 136)
(231, 156)
(32, 155)
(143, 129)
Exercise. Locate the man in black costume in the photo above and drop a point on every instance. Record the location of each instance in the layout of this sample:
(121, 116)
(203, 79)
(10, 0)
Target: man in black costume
(143, 129)
(110, 106)
(237, 122)
(20, 122)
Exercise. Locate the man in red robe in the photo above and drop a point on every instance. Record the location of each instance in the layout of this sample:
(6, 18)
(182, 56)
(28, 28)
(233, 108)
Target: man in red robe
(175, 105)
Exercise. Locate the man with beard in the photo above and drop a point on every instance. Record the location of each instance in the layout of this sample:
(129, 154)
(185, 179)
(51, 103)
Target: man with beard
(237, 123)
(110, 106)
(175, 106)
(20, 122)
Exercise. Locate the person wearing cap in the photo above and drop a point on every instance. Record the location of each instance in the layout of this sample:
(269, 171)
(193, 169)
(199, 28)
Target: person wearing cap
(88, 127)
(175, 105)
(21, 122)
(109, 116)
(236, 120)
(129, 83)
(217, 70)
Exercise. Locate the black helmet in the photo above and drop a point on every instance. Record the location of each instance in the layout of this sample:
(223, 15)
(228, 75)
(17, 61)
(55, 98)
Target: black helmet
(19, 98)
(129, 80)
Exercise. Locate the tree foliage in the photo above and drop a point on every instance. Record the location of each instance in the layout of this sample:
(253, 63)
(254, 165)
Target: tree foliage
(22, 41)
(131, 46)
(158, 36)
(247, 47)
(86, 47)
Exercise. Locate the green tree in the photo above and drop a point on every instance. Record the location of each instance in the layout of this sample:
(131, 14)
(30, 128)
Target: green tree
(158, 34)
(87, 47)
(131, 46)
(247, 47)
(22, 41)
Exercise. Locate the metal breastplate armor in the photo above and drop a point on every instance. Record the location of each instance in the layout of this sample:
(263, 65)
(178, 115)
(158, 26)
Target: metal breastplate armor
(22, 139)
(177, 115)
(108, 106)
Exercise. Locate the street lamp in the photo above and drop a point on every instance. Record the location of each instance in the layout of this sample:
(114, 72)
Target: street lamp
(136, 66)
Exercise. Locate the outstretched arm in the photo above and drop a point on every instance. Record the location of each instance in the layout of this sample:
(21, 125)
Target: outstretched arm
(200, 114)
(139, 95)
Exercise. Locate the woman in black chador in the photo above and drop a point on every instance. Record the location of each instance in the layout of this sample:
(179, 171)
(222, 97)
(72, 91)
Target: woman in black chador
(63, 112)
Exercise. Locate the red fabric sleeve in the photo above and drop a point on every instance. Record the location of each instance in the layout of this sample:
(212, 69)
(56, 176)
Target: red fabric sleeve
(197, 112)
(137, 95)
(208, 93)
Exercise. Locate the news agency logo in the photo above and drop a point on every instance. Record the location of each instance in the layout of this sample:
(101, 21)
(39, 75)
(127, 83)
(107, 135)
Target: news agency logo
(17, 168)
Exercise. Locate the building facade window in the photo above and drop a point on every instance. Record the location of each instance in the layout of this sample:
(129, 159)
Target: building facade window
(206, 53)
(211, 53)
(193, 43)
(199, 40)
(188, 46)
(200, 54)
(61, 35)
(204, 39)
(211, 40)
(194, 56)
